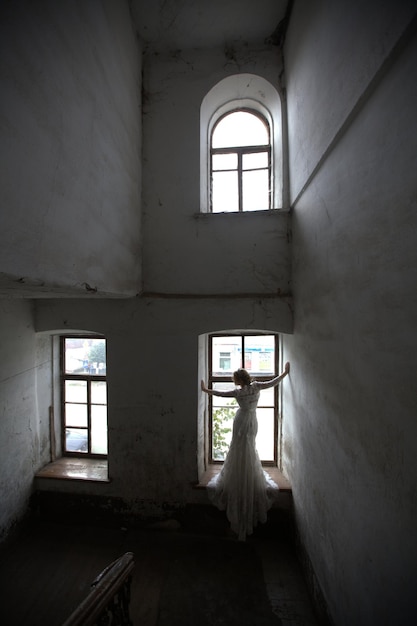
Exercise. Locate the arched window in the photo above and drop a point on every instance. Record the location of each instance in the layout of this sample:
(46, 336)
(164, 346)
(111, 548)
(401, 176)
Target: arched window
(241, 149)
(240, 163)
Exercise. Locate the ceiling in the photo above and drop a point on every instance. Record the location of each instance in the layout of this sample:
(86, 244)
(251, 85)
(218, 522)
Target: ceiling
(182, 24)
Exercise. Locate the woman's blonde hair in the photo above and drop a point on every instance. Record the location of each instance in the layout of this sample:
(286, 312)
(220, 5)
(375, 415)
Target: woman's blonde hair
(242, 377)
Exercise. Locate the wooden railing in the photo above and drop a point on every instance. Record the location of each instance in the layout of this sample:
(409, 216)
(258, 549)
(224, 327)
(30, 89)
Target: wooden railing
(108, 602)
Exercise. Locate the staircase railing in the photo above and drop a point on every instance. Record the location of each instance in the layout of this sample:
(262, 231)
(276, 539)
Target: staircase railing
(108, 601)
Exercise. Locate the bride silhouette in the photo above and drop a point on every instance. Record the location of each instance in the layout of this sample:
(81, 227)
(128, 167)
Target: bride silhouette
(242, 488)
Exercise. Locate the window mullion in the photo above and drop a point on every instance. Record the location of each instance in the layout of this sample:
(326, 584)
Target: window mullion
(270, 179)
(243, 352)
(240, 179)
(89, 414)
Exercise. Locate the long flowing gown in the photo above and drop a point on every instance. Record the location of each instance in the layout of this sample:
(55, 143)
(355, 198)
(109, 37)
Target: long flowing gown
(242, 488)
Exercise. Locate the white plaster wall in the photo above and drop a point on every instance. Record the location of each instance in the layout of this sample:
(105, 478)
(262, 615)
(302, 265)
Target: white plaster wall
(72, 125)
(350, 431)
(333, 51)
(154, 398)
(24, 442)
(70, 149)
(185, 252)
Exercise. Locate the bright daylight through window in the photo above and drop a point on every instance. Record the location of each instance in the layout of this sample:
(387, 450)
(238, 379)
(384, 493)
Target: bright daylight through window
(240, 163)
(258, 354)
(84, 396)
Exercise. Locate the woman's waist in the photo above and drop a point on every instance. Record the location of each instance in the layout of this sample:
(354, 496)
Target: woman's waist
(248, 406)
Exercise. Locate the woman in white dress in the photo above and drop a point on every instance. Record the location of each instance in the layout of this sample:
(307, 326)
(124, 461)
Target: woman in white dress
(242, 488)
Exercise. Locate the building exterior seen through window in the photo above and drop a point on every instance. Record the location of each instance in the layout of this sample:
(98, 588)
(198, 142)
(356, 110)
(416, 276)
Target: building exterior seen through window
(84, 396)
(240, 158)
(259, 355)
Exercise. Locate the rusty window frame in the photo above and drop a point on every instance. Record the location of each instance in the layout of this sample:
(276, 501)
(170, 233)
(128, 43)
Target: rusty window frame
(89, 378)
(227, 378)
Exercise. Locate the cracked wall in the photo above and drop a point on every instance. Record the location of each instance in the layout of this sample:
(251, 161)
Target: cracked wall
(184, 251)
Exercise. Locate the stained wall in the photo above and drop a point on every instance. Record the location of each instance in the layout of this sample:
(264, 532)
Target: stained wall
(349, 404)
(185, 251)
(24, 417)
(104, 215)
(350, 434)
(70, 149)
(70, 199)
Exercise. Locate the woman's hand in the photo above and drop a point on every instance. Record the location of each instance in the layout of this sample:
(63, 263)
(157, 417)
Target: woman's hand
(287, 368)
(203, 386)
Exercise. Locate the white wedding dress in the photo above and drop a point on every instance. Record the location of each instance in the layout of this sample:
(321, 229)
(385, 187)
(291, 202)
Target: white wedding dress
(242, 488)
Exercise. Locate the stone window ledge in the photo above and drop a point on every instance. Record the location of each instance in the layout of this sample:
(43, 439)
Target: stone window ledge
(274, 473)
(74, 468)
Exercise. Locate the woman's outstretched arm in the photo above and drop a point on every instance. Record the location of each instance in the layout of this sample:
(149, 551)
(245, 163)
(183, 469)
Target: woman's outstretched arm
(213, 392)
(274, 381)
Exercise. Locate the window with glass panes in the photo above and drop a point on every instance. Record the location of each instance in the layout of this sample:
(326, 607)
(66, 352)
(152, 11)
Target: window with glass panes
(84, 396)
(240, 159)
(258, 354)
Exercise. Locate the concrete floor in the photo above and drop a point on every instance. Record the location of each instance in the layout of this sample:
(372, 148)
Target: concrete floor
(46, 571)
(285, 584)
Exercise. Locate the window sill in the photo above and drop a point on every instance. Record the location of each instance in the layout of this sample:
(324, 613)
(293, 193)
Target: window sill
(273, 472)
(74, 468)
(275, 211)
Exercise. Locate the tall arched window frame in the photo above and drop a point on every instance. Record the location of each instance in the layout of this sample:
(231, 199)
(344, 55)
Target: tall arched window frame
(243, 92)
(240, 162)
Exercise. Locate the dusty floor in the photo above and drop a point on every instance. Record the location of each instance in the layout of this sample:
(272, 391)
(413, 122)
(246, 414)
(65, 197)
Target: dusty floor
(180, 578)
